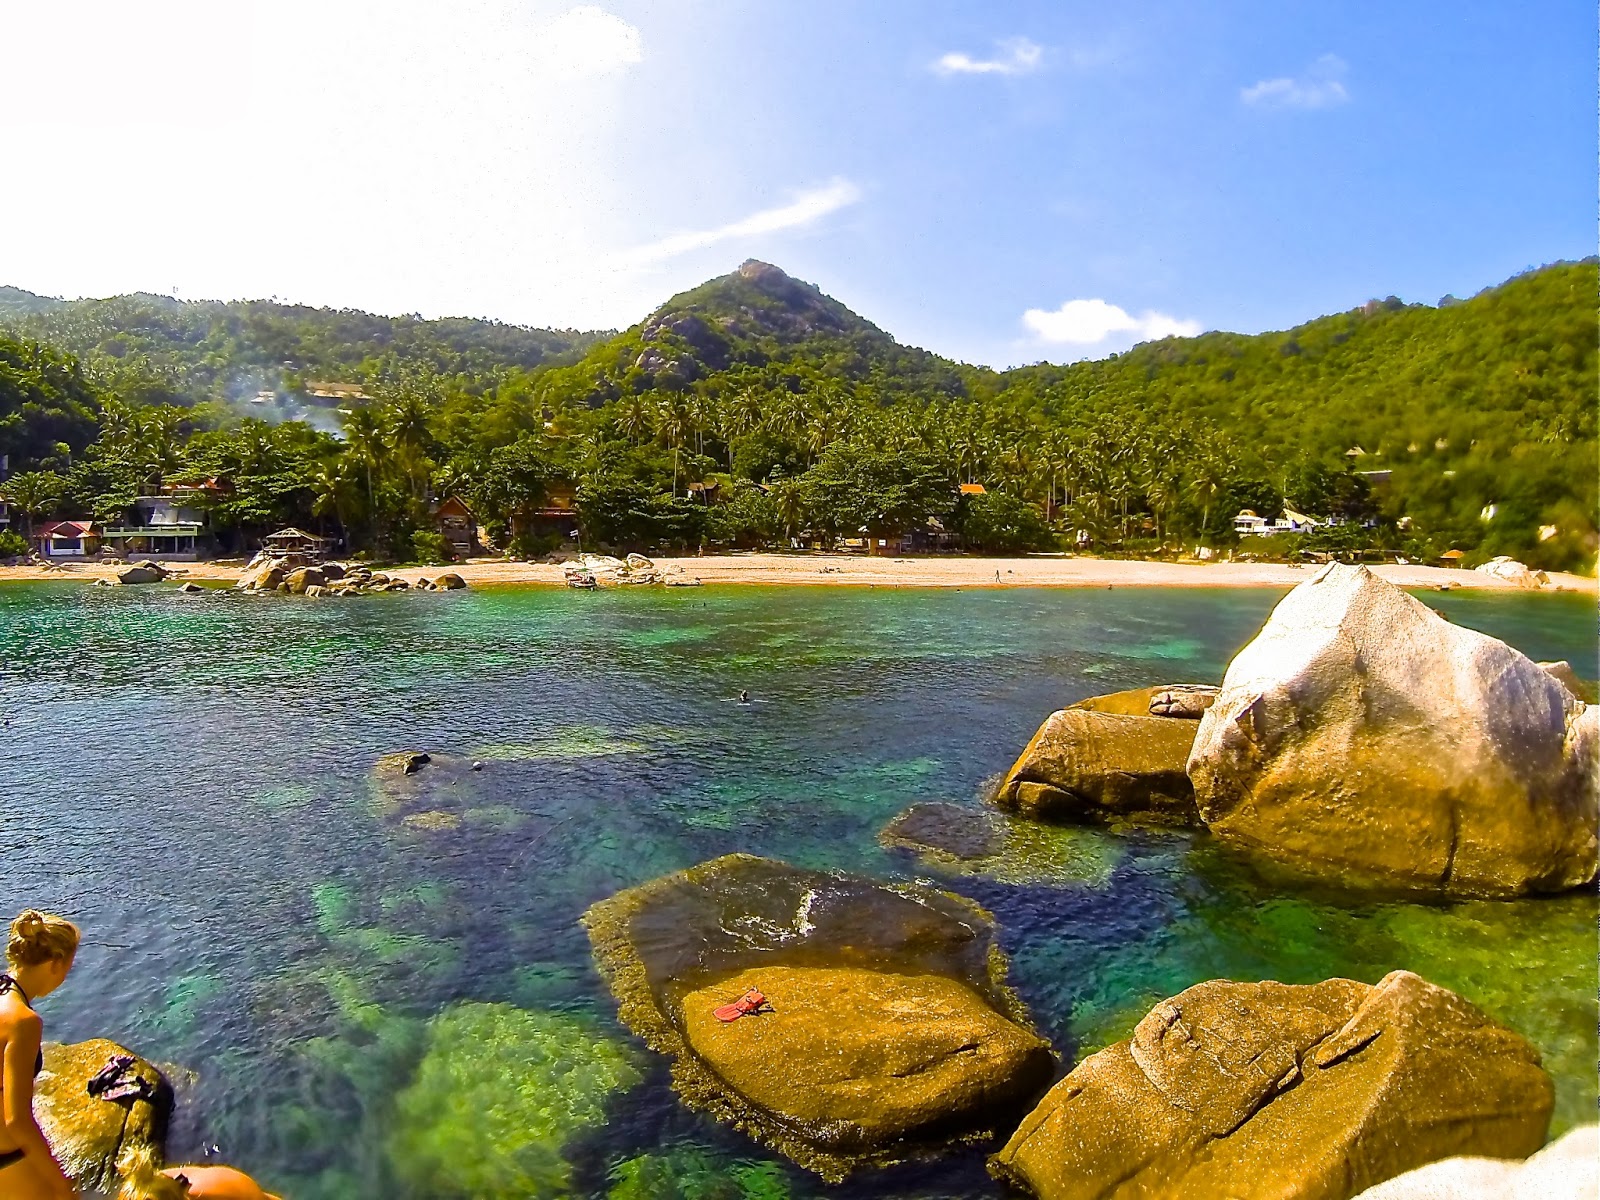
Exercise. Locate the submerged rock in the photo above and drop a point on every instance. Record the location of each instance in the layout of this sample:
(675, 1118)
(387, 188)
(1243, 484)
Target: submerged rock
(426, 791)
(1109, 758)
(964, 839)
(498, 1095)
(891, 1032)
(1235, 1091)
(1567, 1169)
(86, 1133)
(1363, 736)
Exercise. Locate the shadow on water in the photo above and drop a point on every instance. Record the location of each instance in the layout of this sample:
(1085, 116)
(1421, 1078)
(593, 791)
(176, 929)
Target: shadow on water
(192, 780)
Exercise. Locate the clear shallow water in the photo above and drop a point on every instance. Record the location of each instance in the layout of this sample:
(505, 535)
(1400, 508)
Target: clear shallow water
(367, 1009)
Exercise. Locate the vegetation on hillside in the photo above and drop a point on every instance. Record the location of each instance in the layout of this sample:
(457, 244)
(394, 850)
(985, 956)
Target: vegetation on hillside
(807, 419)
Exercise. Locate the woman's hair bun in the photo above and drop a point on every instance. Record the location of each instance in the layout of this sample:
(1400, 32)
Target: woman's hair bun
(38, 937)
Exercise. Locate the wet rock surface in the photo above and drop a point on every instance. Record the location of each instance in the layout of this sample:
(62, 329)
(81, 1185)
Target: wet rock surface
(873, 979)
(1234, 1091)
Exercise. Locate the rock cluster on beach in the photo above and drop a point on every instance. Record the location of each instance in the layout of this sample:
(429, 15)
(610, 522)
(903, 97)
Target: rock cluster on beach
(1360, 736)
(292, 575)
(889, 1030)
(1235, 1091)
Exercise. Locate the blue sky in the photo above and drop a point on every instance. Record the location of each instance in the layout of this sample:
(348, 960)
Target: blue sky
(1000, 183)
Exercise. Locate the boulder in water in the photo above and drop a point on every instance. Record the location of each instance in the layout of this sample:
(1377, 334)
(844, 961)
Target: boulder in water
(1513, 571)
(141, 573)
(891, 1030)
(1265, 1091)
(1567, 1169)
(449, 582)
(262, 575)
(88, 1134)
(1362, 736)
(302, 578)
(1108, 758)
(966, 839)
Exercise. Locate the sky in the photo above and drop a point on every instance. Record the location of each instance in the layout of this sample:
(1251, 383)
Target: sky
(1000, 183)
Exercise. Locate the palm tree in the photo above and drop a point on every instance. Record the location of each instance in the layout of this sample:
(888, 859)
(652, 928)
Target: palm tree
(33, 493)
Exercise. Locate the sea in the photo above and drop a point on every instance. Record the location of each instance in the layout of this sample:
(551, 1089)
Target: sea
(350, 1005)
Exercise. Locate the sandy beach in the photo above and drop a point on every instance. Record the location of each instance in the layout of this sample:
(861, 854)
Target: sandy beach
(855, 570)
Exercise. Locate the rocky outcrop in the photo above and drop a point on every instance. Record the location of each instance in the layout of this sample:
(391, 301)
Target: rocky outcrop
(87, 1133)
(142, 572)
(890, 1034)
(1566, 1169)
(1235, 1091)
(449, 582)
(293, 575)
(1512, 571)
(1110, 758)
(1362, 736)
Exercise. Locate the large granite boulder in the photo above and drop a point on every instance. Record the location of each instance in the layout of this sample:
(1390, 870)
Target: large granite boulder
(890, 1035)
(1567, 1169)
(1362, 736)
(1111, 757)
(85, 1133)
(145, 572)
(263, 575)
(301, 579)
(1266, 1091)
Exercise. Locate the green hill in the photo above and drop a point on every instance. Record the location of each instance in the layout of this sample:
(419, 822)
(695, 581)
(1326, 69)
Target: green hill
(1468, 424)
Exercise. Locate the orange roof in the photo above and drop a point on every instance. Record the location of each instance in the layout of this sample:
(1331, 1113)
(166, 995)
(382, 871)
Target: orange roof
(974, 489)
(1454, 554)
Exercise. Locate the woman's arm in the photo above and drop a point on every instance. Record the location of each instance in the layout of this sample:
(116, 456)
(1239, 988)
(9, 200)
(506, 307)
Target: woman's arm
(16, 1084)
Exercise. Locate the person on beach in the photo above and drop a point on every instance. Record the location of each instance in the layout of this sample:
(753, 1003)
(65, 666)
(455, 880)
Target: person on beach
(39, 954)
(143, 1179)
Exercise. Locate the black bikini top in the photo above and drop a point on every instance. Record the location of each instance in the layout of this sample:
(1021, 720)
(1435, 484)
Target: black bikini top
(8, 984)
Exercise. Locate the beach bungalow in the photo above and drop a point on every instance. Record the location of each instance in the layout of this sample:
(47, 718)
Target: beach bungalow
(458, 526)
(295, 541)
(1248, 524)
(558, 516)
(67, 539)
(1452, 557)
(172, 524)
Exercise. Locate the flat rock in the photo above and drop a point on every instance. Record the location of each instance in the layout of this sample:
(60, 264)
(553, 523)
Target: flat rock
(1268, 1091)
(427, 791)
(866, 979)
(1361, 736)
(861, 1059)
(958, 831)
(85, 1133)
(965, 839)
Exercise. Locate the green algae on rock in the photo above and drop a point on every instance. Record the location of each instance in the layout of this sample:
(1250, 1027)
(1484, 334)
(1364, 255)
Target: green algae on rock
(498, 1094)
(963, 839)
(1233, 1091)
(859, 1063)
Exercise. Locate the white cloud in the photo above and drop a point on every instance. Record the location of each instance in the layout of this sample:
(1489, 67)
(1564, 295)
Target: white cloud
(1020, 57)
(587, 41)
(806, 208)
(1095, 322)
(1322, 86)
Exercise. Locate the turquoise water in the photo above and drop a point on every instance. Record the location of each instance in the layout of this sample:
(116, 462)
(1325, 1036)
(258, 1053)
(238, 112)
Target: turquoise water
(366, 1005)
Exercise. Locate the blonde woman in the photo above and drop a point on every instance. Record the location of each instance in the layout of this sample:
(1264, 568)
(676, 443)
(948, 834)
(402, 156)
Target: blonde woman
(39, 954)
(142, 1179)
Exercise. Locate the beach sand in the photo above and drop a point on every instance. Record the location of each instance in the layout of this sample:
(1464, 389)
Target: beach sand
(856, 570)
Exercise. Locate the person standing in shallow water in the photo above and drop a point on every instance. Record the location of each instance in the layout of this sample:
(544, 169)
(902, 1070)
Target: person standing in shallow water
(39, 953)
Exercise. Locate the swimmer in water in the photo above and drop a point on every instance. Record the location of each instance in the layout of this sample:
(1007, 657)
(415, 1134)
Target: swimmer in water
(744, 696)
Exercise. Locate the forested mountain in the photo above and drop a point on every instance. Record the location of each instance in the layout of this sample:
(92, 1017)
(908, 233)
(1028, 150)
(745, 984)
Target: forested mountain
(155, 349)
(1468, 424)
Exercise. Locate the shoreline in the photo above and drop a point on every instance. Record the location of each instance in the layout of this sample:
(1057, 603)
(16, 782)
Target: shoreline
(847, 570)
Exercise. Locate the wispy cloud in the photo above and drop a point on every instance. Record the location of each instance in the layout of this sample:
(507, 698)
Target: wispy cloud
(1321, 86)
(807, 208)
(1018, 56)
(1094, 322)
